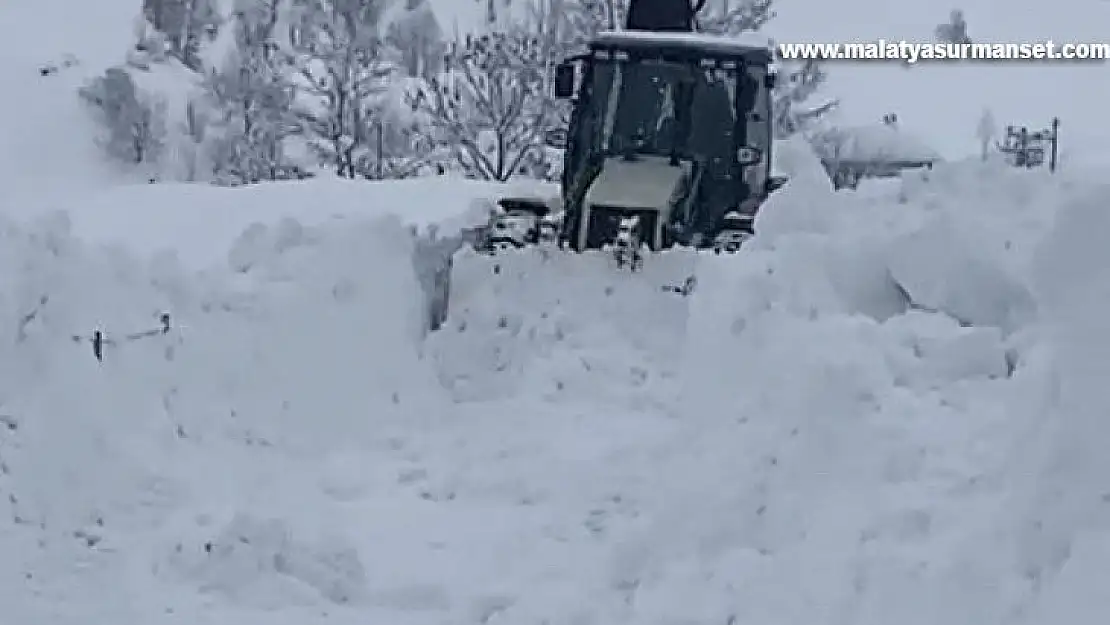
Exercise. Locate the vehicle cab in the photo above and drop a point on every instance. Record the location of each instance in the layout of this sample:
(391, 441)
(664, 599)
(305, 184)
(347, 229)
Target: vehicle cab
(691, 112)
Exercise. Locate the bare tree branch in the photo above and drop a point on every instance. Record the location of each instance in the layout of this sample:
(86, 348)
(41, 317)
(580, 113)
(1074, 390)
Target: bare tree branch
(489, 107)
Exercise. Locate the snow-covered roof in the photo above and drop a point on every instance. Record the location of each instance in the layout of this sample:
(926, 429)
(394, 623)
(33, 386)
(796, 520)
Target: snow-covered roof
(881, 142)
(732, 45)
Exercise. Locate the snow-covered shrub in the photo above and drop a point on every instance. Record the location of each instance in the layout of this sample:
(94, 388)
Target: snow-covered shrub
(184, 25)
(417, 35)
(134, 124)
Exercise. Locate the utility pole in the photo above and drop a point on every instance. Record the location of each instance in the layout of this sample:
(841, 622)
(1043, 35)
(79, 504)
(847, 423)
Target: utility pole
(1023, 148)
(1055, 145)
(381, 149)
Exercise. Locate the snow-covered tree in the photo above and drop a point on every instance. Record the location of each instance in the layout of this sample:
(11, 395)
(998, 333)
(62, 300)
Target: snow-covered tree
(587, 17)
(986, 131)
(828, 143)
(580, 20)
(401, 150)
(345, 67)
(489, 107)
(547, 19)
(599, 15)
(797, 96)
(134, 124)
(195, 131)
(733, 17)
(418, 38)
(954, 30)
(187, 24)
(494, 10)
(794, 98)
(150, 45)
(253, 99)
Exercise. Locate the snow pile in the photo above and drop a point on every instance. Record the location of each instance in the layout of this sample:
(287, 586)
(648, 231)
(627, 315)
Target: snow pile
(852, 416)
(820, 416)
(830, 245)
(254, 560)
(833, 424)
(1065, 522)
(954, 444)
(199, 223)
(988, 241)
(130, 463)
(827, 408)
(795, 159)
(940, 241)
(544, 323)
(854, 399)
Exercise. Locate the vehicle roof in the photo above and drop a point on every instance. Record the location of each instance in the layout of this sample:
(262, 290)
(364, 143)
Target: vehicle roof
(684, 44)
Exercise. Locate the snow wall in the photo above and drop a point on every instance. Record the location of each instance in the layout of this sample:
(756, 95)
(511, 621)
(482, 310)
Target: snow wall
(312, 346)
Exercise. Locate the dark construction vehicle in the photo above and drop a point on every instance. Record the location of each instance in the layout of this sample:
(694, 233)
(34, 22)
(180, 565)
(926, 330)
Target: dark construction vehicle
(670, 130)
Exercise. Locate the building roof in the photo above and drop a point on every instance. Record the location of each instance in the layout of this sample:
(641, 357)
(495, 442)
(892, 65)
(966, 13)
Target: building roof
(878, 144)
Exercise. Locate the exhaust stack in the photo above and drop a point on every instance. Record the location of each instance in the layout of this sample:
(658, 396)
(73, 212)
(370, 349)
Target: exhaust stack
(663, 16)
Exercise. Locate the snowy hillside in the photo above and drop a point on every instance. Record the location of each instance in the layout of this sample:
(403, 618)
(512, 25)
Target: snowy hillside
(48, 136)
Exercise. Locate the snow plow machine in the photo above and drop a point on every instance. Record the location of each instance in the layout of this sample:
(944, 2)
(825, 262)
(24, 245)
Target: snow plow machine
(669, 143)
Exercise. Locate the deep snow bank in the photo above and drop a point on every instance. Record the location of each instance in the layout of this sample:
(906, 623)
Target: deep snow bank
(924, 435)
(547, 323)
(834, 426)
(122, 464)
(1065, 519)
(868, 428)
(49, 149)
(859, 444)
(199, 222)
(864, 398)
(957, 239)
